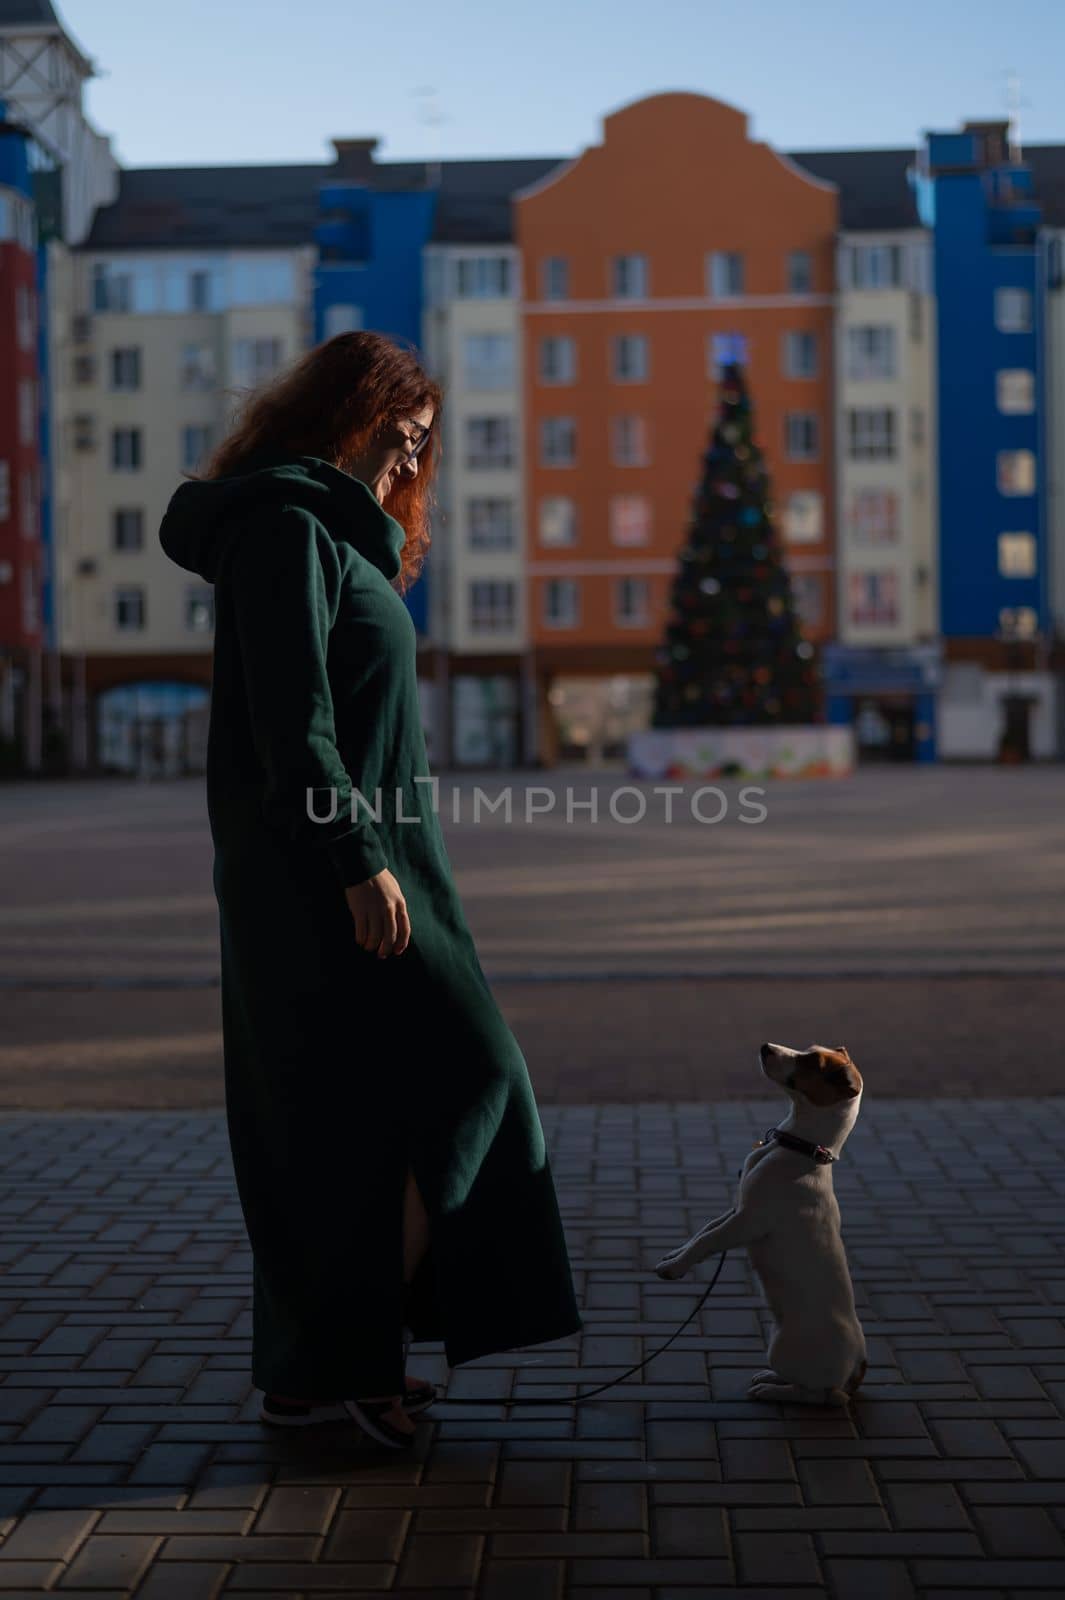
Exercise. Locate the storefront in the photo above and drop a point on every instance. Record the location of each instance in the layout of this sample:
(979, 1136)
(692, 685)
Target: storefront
(887, 696)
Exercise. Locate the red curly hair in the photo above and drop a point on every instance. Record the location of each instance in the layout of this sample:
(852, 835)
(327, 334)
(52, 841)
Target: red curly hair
(331, 403)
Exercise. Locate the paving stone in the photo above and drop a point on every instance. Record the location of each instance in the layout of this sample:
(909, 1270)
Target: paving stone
(48, 1536)
(1018, 1531)
(788, 1557)
(441, 1561)
(107, 1562)
(369, 1534)
(294, 1510)
(138, 1433)
(521, 1580)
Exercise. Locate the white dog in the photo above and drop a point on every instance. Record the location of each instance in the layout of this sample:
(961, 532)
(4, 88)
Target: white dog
(787, 1218)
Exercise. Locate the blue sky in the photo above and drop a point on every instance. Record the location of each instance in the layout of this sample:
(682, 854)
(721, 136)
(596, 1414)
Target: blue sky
(207, 81)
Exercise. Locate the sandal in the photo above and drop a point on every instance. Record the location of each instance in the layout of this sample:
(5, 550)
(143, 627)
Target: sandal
(419, 1394)
(370, 1415)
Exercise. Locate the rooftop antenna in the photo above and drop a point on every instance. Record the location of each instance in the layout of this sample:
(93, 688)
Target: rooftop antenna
(431, 114)
(1013, 108)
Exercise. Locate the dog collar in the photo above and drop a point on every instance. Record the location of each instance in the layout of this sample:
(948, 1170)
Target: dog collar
(817, 1152)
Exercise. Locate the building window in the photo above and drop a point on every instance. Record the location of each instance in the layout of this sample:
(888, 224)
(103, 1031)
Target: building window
(489, 442)
(628, 277)
(632, 603)
(558, 442)
(1016, 472)
(871, 434)
(800, 436)
(492, 605)
(873, 516)
(341, 318)
(558, 520)
(558, 359)
(800, 355)
(126, 452)
(199, 291)
(84, 369)
(808, 596)
(804, 517)
(255, 361)
(871, 352)
(723, 350)
(1018, 622)
(25, 301)
(1015, 391)
(800, 275)
(874, 598)
(1013, 310)
(1016, 555)
(554, 278)
(31, 611)
(199, 608)
(126, 368)
(488, 360)
(197, 366)
(5, 490)
(561, 603)
(630, 444)
(111, 291)
(127, 529)
(491, 524)
(195, 443)
(630, 358)
(83, 431)
(724, 274)
(129, 609)
(871, 266)
(30, 524)
(27, 411)
(630, 519)
(483, 278)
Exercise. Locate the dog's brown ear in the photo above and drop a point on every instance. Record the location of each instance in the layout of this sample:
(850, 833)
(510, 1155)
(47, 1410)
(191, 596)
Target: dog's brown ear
(841, 1050)
(845, 1079)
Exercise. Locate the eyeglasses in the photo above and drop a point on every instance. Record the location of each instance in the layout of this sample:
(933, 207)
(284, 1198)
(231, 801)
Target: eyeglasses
(417, 443)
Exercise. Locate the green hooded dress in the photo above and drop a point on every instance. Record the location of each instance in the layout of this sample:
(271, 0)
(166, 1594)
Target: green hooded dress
(343, 1069)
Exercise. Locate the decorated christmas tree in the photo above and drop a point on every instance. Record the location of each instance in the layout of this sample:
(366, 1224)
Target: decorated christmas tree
(734, 654)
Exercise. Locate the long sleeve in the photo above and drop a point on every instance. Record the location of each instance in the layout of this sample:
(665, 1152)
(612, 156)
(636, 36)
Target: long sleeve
(285, 578)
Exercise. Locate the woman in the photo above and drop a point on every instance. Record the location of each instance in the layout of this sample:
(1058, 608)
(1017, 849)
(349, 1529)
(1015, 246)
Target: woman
(387, 1147)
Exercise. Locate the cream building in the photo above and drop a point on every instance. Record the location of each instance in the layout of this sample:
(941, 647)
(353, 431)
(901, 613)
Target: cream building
(885, 432)
(483, 698)
(189, 290)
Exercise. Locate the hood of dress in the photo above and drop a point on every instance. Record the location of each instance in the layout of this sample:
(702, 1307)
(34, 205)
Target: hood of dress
(203, 515)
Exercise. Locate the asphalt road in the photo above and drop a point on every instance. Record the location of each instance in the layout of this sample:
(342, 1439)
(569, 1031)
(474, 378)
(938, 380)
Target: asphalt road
(914, 914)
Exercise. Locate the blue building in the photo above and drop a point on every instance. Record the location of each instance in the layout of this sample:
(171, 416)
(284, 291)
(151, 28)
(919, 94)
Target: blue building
(979, 200)
(373, 223)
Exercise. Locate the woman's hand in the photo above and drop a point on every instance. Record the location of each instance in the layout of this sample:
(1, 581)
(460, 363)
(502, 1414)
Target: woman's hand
(380, 913)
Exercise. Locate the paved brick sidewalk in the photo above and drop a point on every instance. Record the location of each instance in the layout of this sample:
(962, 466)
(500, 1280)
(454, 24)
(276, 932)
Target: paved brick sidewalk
(130, 1460)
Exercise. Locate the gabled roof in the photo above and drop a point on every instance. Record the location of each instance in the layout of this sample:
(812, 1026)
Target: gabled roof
(210, 208)
(475, 198)
(264, 206)
(873, 191)
(235, 207)
(14, 13)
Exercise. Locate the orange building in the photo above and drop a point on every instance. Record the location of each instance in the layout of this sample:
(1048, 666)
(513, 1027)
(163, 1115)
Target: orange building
(647, 260)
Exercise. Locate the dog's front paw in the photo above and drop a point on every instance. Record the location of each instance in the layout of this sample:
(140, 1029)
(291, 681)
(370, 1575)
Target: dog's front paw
(671, 1267)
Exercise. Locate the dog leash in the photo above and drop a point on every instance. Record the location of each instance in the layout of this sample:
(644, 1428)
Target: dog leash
(575, 1400)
